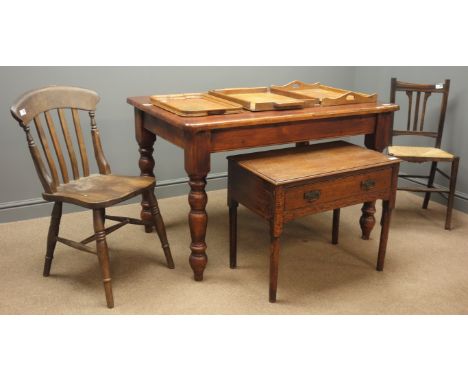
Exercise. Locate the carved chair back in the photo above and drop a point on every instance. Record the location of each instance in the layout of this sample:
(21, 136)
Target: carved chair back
(415, 121)
(38, 106)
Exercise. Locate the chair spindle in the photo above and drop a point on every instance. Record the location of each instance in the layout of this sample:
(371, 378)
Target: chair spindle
(103, 166)
(68, 143)
(46, 149)
(416, 111)
(426, 97)
(409, 93)
(56, 143)
(81, 144)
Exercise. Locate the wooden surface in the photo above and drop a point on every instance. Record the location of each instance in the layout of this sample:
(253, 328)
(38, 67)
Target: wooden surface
(100, 191)
(349, 175)
(294, 164)
(260, 99)
(199, 137)
(195, 104)
(79, 187)
(34, 102)
(248, 118)
(322, 94)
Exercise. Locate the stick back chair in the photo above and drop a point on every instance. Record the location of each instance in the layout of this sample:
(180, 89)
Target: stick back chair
(92, 191)
(418, 154)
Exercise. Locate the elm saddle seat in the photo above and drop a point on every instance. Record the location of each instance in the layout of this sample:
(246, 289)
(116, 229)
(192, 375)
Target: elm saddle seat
(418, 154)
(100, 191)
(92, 191)
(282, 185)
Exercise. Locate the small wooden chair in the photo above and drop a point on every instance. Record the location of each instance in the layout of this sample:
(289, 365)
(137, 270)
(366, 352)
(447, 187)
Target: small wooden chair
(93, 191)
(425, 154)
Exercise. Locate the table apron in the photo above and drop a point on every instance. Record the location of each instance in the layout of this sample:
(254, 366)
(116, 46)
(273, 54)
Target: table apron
(247, 137)
(164, 130)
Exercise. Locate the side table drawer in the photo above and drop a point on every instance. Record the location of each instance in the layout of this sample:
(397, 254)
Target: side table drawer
(356, 188)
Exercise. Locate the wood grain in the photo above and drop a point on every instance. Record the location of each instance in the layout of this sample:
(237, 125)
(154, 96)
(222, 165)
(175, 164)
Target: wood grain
(323, 95)
(195, 104)
(96, 191)
(282, 185)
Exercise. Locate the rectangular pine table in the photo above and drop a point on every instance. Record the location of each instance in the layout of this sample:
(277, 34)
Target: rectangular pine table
(199, 137)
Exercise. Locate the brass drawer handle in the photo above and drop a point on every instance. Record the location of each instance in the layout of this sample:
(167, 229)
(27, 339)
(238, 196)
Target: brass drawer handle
(310, 196)
(368, 184)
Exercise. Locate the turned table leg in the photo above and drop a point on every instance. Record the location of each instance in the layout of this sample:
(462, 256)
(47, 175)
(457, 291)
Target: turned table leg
(197, 166)
(367, 220)
(198, 221)
(145, 141)
(378, 141)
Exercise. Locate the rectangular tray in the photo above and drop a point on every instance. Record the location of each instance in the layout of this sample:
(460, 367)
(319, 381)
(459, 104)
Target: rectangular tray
(195, 104)
(261, 99)
(325, 95)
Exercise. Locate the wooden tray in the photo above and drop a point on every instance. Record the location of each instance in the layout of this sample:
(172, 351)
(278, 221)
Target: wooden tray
(325, 95)
(195, 104)
(261, 99)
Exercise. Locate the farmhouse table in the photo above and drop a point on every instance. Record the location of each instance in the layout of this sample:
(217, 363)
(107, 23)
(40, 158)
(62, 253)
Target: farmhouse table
(201, 136)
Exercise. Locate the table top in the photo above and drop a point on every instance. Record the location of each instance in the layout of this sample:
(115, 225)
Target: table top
(292, 164)
(250, 118)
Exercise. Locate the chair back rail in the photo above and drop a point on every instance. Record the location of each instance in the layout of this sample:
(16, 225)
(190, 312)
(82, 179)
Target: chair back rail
(35, 104)
(415, 122)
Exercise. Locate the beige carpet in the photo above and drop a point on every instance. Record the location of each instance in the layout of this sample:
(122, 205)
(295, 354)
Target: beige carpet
(426, 267)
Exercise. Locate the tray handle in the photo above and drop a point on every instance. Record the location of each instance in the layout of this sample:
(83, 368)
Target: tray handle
(349, 98)
(216, 112)
(296, 85)
(290, 105)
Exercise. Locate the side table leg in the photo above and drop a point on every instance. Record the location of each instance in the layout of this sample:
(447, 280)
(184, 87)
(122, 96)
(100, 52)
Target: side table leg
(233, 233)
(274, 263)
(385, 222)
(145, 141)
(198, 220)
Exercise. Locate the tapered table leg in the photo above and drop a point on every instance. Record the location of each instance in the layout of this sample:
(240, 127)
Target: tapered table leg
(274, 262)
(385, 223)
(233, 233)
(145, 141)
(336, 225)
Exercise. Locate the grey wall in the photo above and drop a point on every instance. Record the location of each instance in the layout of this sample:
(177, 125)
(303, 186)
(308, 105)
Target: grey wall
(20, 189)
(455, 138)
(19, 183)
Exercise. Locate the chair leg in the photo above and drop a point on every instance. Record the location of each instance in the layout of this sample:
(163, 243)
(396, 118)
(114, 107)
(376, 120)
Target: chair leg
(451, 196)
(103, 254)
(336, 226)
(430, 183)
(52, 237)
(233, 233)
(385, 222)
(274, 262)
(160, 228)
